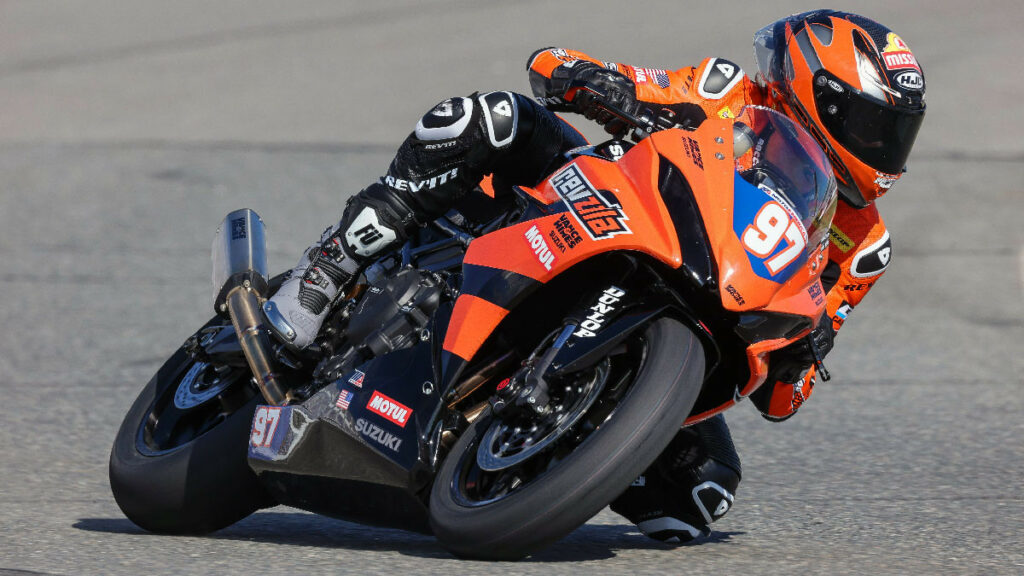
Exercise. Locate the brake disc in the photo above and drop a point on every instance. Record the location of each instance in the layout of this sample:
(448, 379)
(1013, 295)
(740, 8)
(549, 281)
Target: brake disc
(198, 385)
(507, 444)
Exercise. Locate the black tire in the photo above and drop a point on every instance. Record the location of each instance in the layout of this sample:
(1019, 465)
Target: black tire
(564, 497)
(198, 486)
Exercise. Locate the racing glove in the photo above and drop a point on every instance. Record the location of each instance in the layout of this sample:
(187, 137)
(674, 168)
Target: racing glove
(789, 364)
(792, 372)
(590, 87)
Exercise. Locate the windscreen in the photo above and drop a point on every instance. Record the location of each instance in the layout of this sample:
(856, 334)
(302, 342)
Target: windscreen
(777, 155)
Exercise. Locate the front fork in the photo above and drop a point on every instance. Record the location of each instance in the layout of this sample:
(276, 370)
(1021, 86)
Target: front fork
(527, 389)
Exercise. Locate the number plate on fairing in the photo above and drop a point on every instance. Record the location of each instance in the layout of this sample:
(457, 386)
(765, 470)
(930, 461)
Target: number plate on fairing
(270, 426)
(769, 230)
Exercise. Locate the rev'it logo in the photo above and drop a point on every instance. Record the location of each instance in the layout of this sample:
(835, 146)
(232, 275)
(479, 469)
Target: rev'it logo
(597, 210)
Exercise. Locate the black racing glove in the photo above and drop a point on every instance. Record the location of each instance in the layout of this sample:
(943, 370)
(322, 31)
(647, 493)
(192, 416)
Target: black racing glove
(590, 87)
(788, 364)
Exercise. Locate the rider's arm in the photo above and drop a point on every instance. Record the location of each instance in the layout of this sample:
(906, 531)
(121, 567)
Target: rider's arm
(859, 254)
(715, 87)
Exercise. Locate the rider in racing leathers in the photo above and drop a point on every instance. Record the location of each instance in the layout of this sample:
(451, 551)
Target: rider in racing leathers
(852, 83)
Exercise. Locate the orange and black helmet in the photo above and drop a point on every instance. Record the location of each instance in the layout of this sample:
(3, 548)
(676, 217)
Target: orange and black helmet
(856, 87)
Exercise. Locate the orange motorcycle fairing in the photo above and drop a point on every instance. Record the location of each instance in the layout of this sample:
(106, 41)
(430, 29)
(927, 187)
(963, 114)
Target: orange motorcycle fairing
(712, 178)
(718, 193)
(608, 206)
(595, 206)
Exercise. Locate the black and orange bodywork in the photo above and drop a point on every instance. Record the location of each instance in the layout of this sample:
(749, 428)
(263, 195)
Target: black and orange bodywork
(675, 205)
(665, 229)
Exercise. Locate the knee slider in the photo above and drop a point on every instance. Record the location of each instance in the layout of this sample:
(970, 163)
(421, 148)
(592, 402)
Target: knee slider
(714, 496)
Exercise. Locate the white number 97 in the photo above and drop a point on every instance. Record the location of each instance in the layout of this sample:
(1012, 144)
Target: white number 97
(264, 424)
(771, 224)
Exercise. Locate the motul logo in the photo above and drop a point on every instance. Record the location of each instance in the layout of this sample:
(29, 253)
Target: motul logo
(396, 412)
(540, 247)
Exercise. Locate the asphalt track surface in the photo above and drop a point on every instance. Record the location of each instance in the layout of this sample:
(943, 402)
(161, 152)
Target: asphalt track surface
(128, 128)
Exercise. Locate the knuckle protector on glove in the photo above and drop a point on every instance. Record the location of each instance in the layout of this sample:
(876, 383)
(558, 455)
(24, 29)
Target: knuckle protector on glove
(575, 71)
(615, 86)
(615, 90)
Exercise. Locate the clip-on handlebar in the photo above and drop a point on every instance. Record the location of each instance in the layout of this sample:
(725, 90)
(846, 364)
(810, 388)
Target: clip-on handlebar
(641, 126)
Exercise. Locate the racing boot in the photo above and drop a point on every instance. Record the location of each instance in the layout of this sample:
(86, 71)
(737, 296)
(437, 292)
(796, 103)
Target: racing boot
(298, 309)
(691, 484)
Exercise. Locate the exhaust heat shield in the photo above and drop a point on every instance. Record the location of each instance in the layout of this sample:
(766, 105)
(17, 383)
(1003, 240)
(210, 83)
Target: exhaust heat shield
(239, 256)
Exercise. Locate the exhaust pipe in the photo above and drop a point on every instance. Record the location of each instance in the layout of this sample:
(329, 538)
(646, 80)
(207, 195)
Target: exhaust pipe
(240, 284)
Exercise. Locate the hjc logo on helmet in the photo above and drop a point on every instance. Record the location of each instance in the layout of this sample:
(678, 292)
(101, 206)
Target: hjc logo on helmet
(910, 80)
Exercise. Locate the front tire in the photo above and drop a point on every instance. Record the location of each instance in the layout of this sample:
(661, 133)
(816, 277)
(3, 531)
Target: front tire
(575, 488)
(185, 471)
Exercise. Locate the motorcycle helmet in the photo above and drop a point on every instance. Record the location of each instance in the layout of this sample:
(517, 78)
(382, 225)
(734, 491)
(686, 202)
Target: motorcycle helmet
(854, 85)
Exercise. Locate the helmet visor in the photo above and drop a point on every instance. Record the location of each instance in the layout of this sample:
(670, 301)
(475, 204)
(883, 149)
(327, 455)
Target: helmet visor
(875, 132)
(765, 52)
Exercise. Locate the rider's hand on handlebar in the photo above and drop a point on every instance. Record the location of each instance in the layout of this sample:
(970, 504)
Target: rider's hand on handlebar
(593, 89)
(788, 364)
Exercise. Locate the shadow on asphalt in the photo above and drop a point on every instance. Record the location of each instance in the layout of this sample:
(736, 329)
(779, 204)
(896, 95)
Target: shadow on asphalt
(589, 542)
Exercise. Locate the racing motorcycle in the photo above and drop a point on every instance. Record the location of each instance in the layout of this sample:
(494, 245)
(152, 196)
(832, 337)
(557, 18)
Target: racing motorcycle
(500, 378)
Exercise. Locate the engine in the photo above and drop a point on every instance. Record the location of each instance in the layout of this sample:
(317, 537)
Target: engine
(393, 314)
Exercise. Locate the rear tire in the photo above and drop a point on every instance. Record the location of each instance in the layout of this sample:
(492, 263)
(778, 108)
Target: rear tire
(549, 506)
(197, 485)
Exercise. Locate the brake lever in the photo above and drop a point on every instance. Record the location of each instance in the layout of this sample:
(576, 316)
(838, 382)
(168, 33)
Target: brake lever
(641, 126)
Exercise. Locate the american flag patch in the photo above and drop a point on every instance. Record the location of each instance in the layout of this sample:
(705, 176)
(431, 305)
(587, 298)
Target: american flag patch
(660, 78)
(344, 399)
(656, 75)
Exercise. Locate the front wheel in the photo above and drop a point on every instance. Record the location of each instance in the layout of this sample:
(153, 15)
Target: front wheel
(179, 462)
(509, 512)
